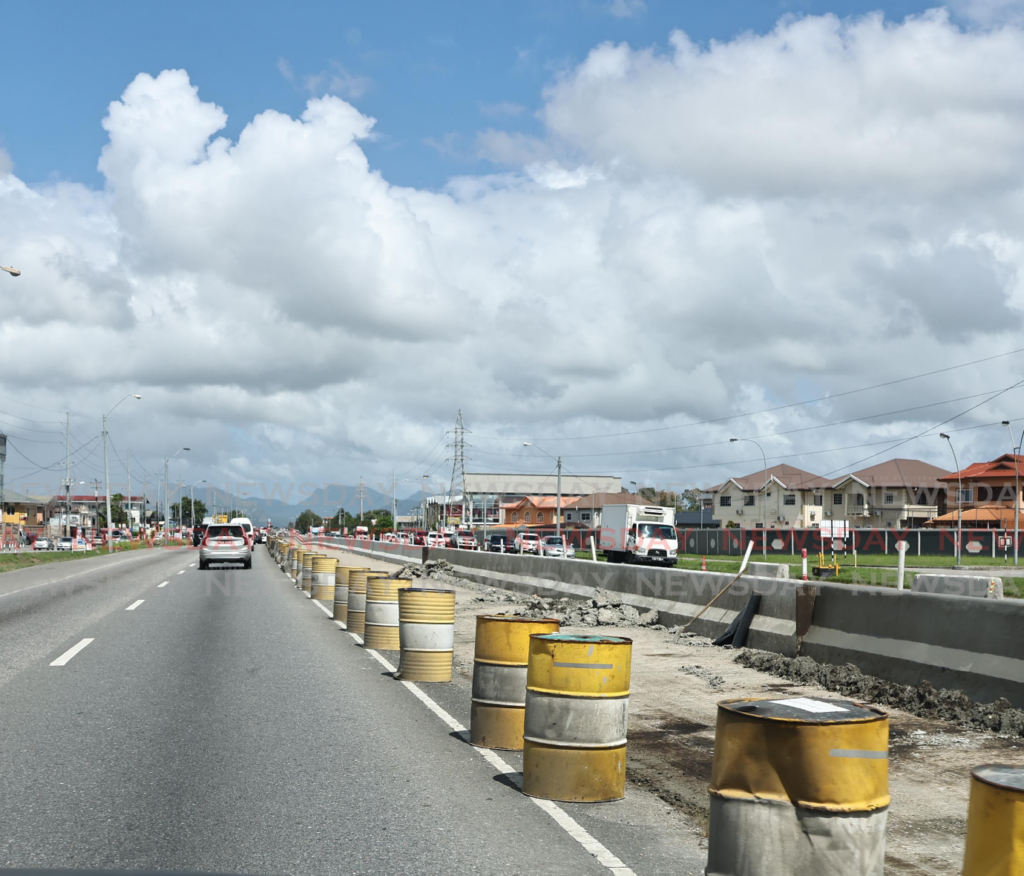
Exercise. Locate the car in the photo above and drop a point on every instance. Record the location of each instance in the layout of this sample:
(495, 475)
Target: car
(436, 540)
(65, 543)
(499, 544)
(466, 541)
(417, 536)
(225, 543)
(260, 536)
(553, 546)
(527, 543)
(197, 533)
(42, 543)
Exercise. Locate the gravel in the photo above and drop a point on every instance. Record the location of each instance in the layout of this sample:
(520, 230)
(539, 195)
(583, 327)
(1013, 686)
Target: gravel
(603, 609)
(924, 700)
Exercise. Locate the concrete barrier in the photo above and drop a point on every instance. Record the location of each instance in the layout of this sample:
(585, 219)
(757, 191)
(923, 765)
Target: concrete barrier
(769, 570)
(908, 637)
(977, 586)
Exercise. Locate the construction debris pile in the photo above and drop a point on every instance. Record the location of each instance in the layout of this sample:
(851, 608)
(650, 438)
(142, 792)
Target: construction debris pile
(436, 570)
(924, 700)
(604, 609)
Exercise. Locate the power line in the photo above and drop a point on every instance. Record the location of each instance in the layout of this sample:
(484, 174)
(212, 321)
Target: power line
(763, 410)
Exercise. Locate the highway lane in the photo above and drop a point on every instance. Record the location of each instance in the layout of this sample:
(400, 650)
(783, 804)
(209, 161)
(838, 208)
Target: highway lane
(50, 606)
(224, 724)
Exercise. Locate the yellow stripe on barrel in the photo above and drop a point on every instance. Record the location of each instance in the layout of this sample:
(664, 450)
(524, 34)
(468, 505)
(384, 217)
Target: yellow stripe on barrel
(341, 592)
(577, 712)
(501, 654)
(357, 579)
(995, 822)
(426, 621)
(381, 624)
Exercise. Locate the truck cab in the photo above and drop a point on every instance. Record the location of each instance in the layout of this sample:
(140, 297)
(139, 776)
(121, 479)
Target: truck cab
(639, 534)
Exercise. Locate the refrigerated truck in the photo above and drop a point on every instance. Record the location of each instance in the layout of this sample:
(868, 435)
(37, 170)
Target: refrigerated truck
(639, 534)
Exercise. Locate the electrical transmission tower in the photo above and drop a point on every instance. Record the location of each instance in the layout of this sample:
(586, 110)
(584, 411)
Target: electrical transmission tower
(458, 460)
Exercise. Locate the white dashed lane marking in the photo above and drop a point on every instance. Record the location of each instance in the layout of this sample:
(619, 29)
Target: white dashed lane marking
(71, 652)
(182, 572)
(135, 605)
(163, 584)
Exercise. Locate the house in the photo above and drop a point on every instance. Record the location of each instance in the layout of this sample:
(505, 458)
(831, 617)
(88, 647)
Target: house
(989, 490)
(783, 497)
(898, 493)
(585, 512)
(534, 510)
(21, 510)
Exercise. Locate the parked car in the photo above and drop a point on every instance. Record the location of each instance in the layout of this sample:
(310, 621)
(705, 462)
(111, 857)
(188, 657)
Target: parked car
(499, 544)
(417, 536)
(466, 541)
(42, 543)
(65, 543)
(225, 543)
(436, 540)
(553, 546)
(527, 543)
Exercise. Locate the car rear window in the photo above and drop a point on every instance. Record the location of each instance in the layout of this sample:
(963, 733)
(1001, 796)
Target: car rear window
(224, 531)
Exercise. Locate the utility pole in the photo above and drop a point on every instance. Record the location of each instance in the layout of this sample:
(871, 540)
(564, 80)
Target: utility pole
(362, 495)
(106, 481)
(458, 481)
(558, 507)
(67, 473)
(131, 529)
(423, 502)
(394, 503)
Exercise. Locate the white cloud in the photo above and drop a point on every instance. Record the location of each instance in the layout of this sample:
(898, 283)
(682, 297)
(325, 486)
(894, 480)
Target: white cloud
(285, 69)
(694, 233)
(989, 13)
(6, 165)
(626, 8)
(337, 80)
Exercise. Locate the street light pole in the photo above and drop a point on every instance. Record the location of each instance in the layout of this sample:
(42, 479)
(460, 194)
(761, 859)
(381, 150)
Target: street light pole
(167, 509)
(192, 503)
(764, 499)
(106, 471)
(1016, 494)
(959, 501)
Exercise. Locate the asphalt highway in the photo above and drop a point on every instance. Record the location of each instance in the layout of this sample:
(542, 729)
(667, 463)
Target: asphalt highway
(220, 722)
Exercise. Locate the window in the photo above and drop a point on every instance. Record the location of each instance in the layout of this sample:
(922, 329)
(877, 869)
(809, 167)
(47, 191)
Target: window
(789, 499)
(724, 501)
(707, 504)
(527, 516)
(837, 498)
(749, 501)
(889, 498)
(819, 500)
(515, 516)
(965, 495)
(858, 500)
(585, 515)
(540, 516)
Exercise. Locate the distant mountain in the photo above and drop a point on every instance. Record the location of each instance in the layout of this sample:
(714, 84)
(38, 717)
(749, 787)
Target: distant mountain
(286, 503)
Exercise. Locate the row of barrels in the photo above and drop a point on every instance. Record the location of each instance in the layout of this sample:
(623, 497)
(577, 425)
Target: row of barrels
(799, 785)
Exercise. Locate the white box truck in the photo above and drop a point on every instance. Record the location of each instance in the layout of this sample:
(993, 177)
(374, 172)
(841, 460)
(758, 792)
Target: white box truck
(639, 534)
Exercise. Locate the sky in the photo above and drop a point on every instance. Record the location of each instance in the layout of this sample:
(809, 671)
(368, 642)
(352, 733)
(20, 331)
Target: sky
(309, 234)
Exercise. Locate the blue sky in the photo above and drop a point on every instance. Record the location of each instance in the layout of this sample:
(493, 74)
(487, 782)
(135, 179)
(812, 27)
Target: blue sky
(430, 73)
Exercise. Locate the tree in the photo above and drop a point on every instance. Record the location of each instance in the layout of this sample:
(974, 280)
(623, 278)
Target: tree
(119, 515)
(664, 498)
(689, 500)
(307, 519)
(190, 514)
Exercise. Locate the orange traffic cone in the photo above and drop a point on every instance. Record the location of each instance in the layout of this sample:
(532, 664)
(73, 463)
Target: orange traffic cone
(704, 563)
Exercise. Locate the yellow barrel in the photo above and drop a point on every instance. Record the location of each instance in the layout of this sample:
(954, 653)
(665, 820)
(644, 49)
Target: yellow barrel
(307, 571)
(799, 786)
(297, 556)
(323, 577)
(356, 622)
(995, 822)
(381, 626)
(577, 710)
(500, 656)
(426, 627)
(341, 592)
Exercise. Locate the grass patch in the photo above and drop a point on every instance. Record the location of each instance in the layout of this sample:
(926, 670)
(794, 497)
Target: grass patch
(26, 559)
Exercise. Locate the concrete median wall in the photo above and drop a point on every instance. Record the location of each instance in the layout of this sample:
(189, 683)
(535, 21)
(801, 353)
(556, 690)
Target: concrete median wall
(977, 586)
(956, 642)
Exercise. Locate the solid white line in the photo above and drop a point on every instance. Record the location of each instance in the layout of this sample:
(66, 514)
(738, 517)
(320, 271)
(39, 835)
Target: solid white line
(69, 577)
(164, 584)
(71, 652)
(562, 818)
(135, 605)
(324, 609)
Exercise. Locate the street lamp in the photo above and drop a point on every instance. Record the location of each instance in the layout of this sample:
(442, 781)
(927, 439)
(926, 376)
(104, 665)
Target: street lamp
(106, 472)
(764, 500)
(558, 508)
(1016, 495)
(167, 510)
(959, 501)
(14, 272)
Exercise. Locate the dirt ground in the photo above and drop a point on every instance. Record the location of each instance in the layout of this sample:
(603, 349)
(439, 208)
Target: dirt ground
(674, 689)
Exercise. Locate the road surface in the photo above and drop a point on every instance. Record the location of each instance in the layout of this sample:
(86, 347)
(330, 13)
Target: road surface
(220, 722)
